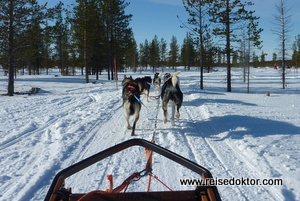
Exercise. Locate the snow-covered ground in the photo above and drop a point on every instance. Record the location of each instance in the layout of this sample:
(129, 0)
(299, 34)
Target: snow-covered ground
(233, 134)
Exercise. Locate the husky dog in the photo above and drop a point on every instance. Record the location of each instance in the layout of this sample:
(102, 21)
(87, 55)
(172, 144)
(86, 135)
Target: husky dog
(171, 92)
(131, 104)
(144, 85)
(156, 81)
(167, 76)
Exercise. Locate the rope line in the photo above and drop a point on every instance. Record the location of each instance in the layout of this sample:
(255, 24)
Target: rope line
(155, 123)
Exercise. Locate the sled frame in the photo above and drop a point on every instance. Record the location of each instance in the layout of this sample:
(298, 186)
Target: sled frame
(209, 193)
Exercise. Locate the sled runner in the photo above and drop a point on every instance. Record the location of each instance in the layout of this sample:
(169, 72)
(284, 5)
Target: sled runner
(57, 192)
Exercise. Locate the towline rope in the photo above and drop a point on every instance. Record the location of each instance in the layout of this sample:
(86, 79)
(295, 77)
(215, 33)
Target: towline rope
(155, 123)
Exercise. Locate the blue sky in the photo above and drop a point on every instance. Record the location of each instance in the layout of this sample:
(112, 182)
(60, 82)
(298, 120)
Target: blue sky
(158, 17)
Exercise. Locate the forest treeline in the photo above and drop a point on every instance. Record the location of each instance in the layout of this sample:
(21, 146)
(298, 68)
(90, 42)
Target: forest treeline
(95, 35)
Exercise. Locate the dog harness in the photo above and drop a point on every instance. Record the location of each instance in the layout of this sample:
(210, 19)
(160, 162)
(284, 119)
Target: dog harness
(133, 89)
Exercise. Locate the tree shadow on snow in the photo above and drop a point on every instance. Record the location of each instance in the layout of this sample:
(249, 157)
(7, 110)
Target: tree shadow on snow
(237, 126)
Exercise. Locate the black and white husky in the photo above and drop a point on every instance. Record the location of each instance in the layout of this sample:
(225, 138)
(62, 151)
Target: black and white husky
(156, 81)
(144, 84)
(131, 104)
(171, 92)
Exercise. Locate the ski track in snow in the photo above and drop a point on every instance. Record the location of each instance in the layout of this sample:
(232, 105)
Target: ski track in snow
(234, 135)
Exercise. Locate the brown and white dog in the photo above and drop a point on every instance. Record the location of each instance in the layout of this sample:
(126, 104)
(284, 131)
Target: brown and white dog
(131, 101)
(171, 92)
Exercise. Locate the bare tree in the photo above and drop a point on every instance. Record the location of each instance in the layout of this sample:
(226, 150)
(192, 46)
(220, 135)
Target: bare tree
(282, 28)
(199, 23)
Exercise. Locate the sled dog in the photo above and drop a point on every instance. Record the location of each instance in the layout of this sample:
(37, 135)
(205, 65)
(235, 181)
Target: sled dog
(156, 81)
(171, 92)
(131, 104)
(144, 85)
(167, 76)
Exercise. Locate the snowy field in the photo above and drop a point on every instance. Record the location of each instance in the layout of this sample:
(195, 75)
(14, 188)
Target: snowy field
(234, 135)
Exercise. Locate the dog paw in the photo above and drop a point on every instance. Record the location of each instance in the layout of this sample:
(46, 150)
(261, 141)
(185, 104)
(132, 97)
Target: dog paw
(177, 115)
(173, 123)
(165, 120)
(129, 127)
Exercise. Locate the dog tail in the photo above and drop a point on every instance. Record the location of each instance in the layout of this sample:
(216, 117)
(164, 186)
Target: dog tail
(175, 79)
(175, 74)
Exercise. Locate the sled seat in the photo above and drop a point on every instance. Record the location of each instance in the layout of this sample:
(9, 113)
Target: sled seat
(202, 193)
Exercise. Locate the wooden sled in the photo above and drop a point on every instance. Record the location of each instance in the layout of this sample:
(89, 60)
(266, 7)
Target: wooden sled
(57, 192)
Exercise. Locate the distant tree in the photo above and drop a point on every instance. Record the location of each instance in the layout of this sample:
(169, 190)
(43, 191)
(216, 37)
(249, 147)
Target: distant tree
(296, 52)
(274, 59)
(131, 55)
(154, 53)
(263, 59)
(211, 50)
(163, 52)
(61, 39)
(235, 59)
(229, 17)
(34, 52)
(188, 52)
(144, 53)
(101, 32)
(282, 28)
(117, 28)
(255, 60)
(173, 53)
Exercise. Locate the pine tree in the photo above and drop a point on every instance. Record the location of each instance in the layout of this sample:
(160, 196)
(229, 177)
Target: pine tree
(154, 53)
(296, 52)
(61, 39)
(198, 11)
(188, 52)
(116, 28)
(173, 53)
(144, 54)
(163, 52)
(14, 17)
(229, 16)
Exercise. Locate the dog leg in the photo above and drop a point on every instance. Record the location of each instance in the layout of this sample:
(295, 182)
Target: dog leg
(127, 115)
(177, 115)
(164, 107)
(127, 120)
(147, 94)
(136, 118)
(133, 128)
(172, 116)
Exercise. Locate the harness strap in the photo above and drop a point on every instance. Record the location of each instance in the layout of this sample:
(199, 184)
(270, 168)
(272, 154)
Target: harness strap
(131, 87)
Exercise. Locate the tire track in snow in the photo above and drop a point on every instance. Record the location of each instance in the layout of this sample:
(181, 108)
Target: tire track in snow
(202, 152)
(171, 138)
(61, 152)
(228, 156)
(101, 140)
(66, 107)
